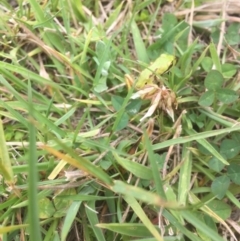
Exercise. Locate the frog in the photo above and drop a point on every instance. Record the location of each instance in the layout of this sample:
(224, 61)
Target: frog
(161, 65)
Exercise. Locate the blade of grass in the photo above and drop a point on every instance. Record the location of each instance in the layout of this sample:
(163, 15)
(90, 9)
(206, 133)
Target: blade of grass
(195, 137)
(139, 230)
(51, 231)
(135, 168)
(142, 215)
(42, 18)
(37, 114)
(143, 195)
(69, 218)
(12, 228)
(138, 43)
(34, 224)
(208, 146)
(185, 175)
(93, 219)
(80, 162)
(155, 172)
(26, 73)
(180, 226)
(196, 222)
(5, 162)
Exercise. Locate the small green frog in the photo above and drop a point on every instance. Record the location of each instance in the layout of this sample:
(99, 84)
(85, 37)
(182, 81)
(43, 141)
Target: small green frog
(158, 67)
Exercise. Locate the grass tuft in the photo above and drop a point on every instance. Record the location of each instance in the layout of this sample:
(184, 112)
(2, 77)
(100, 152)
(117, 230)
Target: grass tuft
(119, 120)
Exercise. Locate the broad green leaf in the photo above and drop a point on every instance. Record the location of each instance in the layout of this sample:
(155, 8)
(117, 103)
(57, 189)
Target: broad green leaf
(220, 186)
(101, 85)
(123, 122)
(233, 171)
(105, 68)
(134, 106)
(228, 70)
(222, 209)
(105, 164)
(100, 49)
(207, 63)
(231, 37)
(226, 96)
(229, 148)
(158, 67)
(103, 62)
(207, 98)
(117, 102)
(214, 80)
(169, 20)
(215, 164)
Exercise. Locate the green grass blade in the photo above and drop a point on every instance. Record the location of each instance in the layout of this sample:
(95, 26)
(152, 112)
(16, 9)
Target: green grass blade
(180, 226)
(69, 218)
(93, 219)
(80, 162)
(196, 222)
(185, 175)
(142, 195)
(195, 137)
(155, 171)
(208, 146)
(143, 217)
(135, 168)
(5, 162)
(34, 225)
(138, 43)
(129, 229)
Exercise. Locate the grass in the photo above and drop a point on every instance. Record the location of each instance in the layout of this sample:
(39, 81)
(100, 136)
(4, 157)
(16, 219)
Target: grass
(81, 159)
